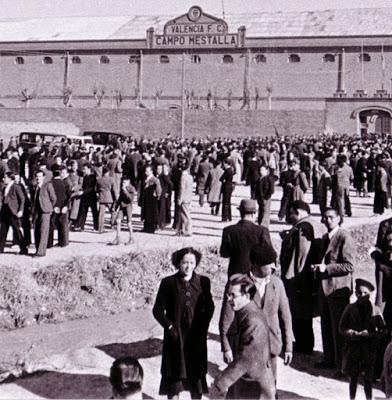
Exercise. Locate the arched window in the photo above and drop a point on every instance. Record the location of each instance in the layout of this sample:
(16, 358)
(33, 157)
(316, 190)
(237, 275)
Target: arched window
(329, 58)
(294, 58)
(19, 60)
(47, 60)
(164, 60)
(260, 58)
(364, 57)
(227, 59)
(133, 59)
(195, 59)
(76, 60)
(104, 60)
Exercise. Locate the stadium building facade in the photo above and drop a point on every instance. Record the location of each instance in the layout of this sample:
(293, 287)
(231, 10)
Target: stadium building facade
(338, 62)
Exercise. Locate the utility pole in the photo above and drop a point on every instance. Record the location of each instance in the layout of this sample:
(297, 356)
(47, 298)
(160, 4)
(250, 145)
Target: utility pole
(66, 70)
(140, 80)
(182, 97)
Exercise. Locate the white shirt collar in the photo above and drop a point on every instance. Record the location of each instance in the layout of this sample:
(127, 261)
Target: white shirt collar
(334, 230)
(8, 187)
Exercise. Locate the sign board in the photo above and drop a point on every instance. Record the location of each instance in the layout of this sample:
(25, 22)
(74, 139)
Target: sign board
(195, 29)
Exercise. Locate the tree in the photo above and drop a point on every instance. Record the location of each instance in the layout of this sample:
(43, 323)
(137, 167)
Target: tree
(229, 98)
(257, 98)
(269, 88)
(27, 96)
(99, 94)
(209, 98)
(67, 96)
(158, 94)
(118, 96)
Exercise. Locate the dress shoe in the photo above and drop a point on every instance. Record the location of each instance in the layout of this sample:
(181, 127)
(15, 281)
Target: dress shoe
(115, 242)
(130, 241)
(39, 255)
(338, 375)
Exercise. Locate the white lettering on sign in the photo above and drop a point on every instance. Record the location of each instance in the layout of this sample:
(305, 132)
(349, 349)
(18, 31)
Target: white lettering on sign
(229, 40)
(189, 29)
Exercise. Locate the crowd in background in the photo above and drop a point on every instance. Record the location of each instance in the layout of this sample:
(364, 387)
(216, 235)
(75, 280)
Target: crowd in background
(158, 173)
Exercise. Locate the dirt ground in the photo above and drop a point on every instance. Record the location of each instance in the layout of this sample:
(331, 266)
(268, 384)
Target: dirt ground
(72, 360)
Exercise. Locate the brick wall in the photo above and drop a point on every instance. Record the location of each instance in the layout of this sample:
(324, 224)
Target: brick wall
(156, 123)
(309, 78)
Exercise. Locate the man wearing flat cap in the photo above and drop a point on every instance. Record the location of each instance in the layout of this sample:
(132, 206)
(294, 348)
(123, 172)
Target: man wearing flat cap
(238, 239)
(270, 297)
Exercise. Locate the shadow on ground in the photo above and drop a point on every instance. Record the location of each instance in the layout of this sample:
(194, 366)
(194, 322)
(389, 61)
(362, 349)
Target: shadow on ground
(142, 349)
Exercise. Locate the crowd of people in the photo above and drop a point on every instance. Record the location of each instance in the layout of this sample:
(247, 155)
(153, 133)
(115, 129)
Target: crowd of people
(271, 296)
(52, 188)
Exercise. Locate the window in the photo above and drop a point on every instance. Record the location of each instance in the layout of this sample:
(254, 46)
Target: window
(227, 59)
(195, 59)
(164, 60)
(133, 59)
(294, 58)
(329, 58)
(364, 57)
(19, 60)
(104, 60)
(76, 60)
(47, 60)
(260, 58)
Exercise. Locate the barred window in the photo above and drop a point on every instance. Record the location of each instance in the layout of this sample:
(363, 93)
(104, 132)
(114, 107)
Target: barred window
(227, 59)
(294, 58)
(260, 58)
(164, 60)
(47, 60)
(76, 60)
(104, 60)
(195, 59)
(364, 57)
(329, 58)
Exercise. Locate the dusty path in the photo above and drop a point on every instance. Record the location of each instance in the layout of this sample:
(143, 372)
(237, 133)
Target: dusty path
(74, 357)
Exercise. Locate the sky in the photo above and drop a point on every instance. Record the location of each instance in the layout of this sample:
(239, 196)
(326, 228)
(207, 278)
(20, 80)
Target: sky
(60, 8)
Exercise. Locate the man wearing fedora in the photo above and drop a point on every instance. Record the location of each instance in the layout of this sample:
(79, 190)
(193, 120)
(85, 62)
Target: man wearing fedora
(238, 239)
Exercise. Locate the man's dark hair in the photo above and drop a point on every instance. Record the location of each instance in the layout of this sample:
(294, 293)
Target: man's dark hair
(299, 205)
(126, 376)
(10, 175)
(246, 284)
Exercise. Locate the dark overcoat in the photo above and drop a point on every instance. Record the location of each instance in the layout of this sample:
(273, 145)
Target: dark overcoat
(359, 353)
(237, 241)
(186, 356)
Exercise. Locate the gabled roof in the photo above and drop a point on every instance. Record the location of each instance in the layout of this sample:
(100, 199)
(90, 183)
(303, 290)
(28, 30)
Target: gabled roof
(346, 22)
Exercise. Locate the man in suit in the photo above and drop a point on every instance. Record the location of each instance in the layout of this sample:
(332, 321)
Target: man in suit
(334, 273)
(238, 239)
(12, 208)
(341, 180)
(265, 188)
(270, 297)
(59, 218)
(383, 269)
(106, 196)
(88, 199)
(253, 173)
(44, 200)
(250, 373)
(297, 275)
(184, 223)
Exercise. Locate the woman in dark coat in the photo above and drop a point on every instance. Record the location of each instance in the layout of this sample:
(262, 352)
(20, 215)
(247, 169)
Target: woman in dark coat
(165, 199)
(184, 308)
(151, 192)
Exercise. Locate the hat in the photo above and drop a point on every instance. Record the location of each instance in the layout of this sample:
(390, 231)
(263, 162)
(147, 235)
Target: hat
(247, 206)
(364, 282)
(262, 254)
(178, 255)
